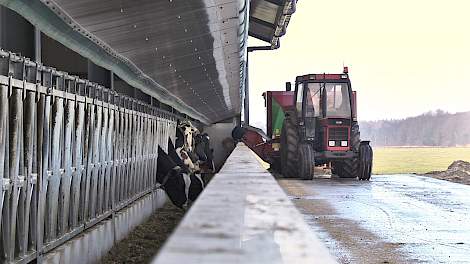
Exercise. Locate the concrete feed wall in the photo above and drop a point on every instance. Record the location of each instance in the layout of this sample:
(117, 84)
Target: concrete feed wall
(94, 243)
(243, 216)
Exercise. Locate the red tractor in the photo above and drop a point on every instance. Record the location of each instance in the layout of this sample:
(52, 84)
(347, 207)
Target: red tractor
(314, 125)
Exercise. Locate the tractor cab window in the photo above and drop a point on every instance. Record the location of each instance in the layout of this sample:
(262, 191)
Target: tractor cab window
(298, 100)
(312, 106)
(337, 100)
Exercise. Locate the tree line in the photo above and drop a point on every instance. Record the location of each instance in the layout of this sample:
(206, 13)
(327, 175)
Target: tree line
(437, 128)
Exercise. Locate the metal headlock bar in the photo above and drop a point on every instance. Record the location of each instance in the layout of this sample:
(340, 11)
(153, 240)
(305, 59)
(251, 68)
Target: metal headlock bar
(72, 153)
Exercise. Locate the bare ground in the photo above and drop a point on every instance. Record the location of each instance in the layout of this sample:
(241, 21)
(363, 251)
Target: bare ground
(143, 243)
(458, 171)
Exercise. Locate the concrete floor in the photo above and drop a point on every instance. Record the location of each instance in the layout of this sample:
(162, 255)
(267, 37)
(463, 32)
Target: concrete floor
(391, 219)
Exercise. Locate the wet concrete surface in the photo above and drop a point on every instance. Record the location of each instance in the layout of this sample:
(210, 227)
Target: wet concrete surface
(391, 219)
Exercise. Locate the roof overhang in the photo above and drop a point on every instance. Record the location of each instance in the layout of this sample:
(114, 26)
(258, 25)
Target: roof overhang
(269, 19)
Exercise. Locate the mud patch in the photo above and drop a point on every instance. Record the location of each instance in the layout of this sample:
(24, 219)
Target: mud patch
(143, 243)
(458, 171)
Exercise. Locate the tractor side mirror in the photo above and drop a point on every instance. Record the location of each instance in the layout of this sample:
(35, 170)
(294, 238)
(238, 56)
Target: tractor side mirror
(288, 86)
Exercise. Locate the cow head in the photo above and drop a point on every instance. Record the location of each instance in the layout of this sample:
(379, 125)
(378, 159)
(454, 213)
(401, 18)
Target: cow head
(187, 131)
(186, 158)
(202, 147)
(175, 156)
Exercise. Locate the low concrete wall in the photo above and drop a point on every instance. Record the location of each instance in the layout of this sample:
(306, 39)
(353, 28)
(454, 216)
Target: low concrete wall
(221, 140)
(243, 216)
(94, 243)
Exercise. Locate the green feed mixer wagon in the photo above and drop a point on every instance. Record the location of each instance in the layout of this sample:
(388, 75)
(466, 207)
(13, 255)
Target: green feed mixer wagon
(316, 124)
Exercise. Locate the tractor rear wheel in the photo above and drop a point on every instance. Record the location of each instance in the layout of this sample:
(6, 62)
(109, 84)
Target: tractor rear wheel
(365, 161)
(349, 168)
(306, 161)
(355, 137)
(288, 148)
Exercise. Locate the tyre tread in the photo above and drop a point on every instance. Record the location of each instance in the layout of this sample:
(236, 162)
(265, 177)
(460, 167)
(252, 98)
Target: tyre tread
(289, 138)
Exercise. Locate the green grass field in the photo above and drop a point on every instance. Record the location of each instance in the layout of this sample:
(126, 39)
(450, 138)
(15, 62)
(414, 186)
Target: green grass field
(416, 160)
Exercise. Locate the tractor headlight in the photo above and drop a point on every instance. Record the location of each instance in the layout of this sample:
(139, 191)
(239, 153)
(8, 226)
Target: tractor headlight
(331, 143)
(344, 143)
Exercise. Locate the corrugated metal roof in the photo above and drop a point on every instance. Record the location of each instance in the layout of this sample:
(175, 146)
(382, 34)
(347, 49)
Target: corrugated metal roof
(185, 53)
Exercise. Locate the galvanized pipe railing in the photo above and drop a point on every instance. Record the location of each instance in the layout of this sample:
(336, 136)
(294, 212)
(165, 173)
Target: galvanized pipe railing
(72, 153)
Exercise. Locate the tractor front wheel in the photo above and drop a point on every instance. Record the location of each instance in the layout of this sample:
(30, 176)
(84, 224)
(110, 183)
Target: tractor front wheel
(336, 168)
(348, 168)
(306, 161)
(365, 161)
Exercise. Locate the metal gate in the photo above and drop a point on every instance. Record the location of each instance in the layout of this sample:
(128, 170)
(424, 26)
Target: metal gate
(71, 154)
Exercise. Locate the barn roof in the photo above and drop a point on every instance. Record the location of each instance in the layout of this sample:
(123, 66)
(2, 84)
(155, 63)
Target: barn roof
(187, 54)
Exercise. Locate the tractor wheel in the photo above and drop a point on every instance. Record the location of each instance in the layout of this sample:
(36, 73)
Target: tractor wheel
(306, 161)
(365, 161)
(355, 137)
(349, 168)
(275, 165)
(288, 148)
(336, 168)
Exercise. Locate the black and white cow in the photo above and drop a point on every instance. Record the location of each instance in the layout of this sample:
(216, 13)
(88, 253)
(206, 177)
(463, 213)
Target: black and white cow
(169, 175)
(194, 148)
(187, 131)
(179, 182)
(196, 184)
(185, 134)
(204, 153)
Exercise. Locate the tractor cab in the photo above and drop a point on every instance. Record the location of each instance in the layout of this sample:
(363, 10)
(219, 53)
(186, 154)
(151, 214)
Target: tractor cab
(320, 127)
(324, 105)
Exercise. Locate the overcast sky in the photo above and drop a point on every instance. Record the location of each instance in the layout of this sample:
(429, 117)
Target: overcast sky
(405, 57)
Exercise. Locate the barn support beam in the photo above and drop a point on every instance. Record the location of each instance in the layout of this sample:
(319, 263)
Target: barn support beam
(37, 45)
(246, 102)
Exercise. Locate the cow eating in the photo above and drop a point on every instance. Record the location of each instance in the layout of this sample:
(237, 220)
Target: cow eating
(181, 184)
